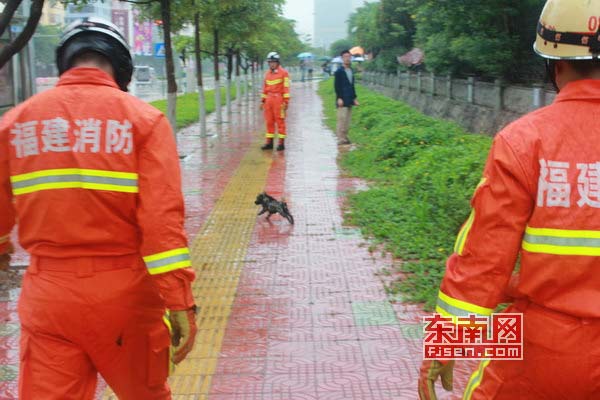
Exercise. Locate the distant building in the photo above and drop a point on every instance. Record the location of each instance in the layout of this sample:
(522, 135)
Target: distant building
(53, 13)
(97, 9)
(122, 16)
(331, 20)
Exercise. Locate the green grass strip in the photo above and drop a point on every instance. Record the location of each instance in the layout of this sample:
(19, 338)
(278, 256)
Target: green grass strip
(187, 112)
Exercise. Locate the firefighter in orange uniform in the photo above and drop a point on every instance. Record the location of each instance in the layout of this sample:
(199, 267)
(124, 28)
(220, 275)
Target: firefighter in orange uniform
(94, 176)
(539, 199)
(275, 100)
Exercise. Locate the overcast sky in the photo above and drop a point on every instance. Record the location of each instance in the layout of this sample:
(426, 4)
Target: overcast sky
(302, 12)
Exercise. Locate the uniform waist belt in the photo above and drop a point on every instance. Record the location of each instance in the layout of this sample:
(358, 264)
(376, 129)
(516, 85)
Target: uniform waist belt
(273, 94)
(85, 266)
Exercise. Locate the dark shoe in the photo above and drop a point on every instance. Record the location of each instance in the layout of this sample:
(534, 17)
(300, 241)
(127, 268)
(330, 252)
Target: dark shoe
(280, 147)
(267, 146)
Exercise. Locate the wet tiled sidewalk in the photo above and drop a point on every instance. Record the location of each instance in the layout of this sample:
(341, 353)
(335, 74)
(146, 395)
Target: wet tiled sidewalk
(287, 312)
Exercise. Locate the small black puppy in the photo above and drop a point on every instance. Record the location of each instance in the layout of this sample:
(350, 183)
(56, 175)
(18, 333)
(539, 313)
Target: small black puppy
(273, 206)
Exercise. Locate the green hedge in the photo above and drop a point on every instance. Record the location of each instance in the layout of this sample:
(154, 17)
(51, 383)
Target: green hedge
(422, 172)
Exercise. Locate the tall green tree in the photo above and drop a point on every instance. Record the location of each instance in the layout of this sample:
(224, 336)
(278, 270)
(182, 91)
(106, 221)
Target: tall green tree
(363, 31)
(338, 46)
(484, 37)
(395, 30)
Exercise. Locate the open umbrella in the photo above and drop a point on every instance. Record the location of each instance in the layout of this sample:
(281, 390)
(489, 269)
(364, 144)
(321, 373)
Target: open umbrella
(305, 55)
(358, 59)
(357, 50)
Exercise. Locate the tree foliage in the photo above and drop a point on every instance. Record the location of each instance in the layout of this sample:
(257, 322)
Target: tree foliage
(484, 37)
(339, 45)
(489, 38)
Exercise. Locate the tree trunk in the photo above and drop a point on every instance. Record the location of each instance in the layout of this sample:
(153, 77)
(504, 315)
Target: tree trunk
(256, 81)
(7, 14)
(165, 8)
(201, 99)
(238, 60)
(252, 82)
(217, 83)
(35, 13)
(228, 85)
(245, 68)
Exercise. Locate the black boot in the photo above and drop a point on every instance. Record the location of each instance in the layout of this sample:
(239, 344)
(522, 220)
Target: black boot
(267, 146)
(280, 146)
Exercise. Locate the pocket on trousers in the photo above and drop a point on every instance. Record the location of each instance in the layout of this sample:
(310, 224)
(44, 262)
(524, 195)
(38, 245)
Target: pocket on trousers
(159, 342)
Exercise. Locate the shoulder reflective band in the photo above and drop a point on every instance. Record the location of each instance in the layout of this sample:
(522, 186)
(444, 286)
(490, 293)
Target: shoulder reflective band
(450, 307)
(74, 178)
(4, 239)
(166, 261)
(561, 242)
(274, 82)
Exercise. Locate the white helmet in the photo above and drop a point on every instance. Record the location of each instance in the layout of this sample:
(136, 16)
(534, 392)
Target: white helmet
(273, 56)
(100, 36)
(568, 30)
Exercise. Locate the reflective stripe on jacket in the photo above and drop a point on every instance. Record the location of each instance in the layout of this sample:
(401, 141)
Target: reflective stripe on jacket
(277, 82)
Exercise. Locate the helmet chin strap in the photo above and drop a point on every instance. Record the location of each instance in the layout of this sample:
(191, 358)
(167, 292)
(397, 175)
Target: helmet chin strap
(551, 73)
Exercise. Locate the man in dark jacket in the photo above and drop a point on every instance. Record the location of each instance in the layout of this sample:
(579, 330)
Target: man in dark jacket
(346, 97)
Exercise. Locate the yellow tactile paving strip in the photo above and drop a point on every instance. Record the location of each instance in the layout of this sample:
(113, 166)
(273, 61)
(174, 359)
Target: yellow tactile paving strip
(218, 254)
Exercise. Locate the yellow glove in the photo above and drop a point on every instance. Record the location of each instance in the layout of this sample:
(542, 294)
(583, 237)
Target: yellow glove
(430, 371)
(183, 334)
(5, 258)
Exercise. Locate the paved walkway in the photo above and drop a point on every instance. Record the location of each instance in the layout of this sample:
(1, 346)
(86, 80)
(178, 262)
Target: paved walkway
(287, 312)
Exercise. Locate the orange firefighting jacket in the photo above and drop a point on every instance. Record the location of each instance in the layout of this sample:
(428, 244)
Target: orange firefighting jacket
(277, 82)
(539, 198)
(93, 172)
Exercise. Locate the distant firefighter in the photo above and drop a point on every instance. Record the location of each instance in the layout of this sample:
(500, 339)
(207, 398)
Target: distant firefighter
(275, 100)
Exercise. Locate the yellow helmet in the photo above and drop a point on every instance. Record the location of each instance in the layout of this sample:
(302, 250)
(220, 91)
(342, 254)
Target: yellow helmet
(569, 30)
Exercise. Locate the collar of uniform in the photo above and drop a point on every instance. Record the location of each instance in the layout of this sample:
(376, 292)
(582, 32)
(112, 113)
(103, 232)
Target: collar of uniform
(583, 89)
(86, 75)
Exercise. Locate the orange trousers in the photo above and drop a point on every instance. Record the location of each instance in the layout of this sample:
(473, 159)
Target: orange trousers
(85, 316)
(274, 115)
(561, 360)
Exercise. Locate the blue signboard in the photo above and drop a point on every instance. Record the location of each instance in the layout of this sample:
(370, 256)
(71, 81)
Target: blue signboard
(159, 50)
